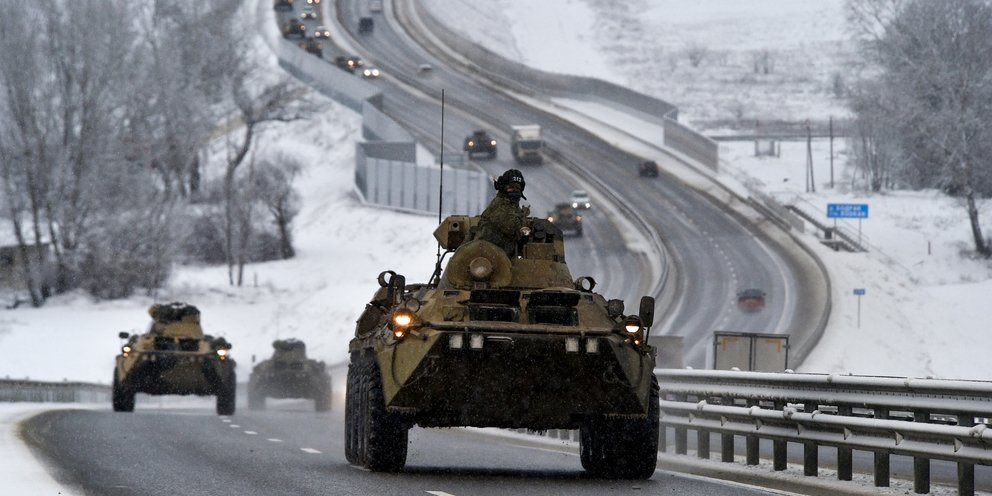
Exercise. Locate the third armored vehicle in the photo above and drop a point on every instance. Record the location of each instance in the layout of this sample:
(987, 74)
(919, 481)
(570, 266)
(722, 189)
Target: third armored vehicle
(509, 342)
(174, 357)
(480, 142)
(289, 374)
(566, 218)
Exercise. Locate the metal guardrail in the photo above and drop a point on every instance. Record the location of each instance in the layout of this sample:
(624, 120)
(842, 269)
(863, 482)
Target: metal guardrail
(23, 390)
(928, 419)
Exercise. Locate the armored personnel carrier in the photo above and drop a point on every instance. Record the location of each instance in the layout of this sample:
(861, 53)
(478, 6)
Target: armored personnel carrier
(174, 357)
(480, 142)
(566, 218)
(289, 374)
(509, 342)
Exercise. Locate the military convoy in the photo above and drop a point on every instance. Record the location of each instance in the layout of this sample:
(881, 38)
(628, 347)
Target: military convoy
(289, 374)
(480, 142)
(507, 342)
(174, 357)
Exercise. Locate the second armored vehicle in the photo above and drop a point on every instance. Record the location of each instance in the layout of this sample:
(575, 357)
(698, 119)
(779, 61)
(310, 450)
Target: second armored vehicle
(480, 142)
(509, 342)
(289, 374)
(566, 218)
(174, 357)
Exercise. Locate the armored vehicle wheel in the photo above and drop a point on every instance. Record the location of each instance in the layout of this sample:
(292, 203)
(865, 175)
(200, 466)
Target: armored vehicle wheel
(351, 436)
(226, 398)
(622, 449)
(123, 397)
(382, 436)
(256, 399)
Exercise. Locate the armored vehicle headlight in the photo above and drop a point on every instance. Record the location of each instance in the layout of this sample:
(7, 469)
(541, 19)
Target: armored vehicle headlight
(222, 353)
(471, 143)
(125, 350)
(401, 321)
(632, 324)
(493, 142)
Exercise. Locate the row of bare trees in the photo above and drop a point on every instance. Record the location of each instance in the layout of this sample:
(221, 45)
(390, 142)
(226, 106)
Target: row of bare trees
(924, 107)
(107, 109)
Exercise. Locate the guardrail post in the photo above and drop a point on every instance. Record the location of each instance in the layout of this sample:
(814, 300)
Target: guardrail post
(921, 465)
(845, 459)
(681, 434)
(727, 440)
(662, 438)
(703, 444)
(751, 443)
(811, 451)
(966, 471)
(881, 457)
(780, 448)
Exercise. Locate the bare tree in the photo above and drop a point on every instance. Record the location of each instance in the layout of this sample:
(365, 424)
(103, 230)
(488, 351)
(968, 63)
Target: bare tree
(935, 89)
(274, 186)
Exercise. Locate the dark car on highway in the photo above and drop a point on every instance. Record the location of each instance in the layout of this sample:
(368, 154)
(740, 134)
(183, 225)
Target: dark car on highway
(647, 168)
(348, 62)
(751, 299)
(294, 27)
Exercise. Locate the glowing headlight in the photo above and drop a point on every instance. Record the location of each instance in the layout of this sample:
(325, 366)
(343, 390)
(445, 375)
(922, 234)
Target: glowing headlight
(551, 219)
(493, 142)
(401, 321)
(471, 143)
(125, 350)
(632, 328)
(222, 353)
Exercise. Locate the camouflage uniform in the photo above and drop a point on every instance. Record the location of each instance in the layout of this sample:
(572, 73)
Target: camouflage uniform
(500, 224)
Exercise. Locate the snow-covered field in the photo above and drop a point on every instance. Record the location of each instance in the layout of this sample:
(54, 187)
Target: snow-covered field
(925, 306)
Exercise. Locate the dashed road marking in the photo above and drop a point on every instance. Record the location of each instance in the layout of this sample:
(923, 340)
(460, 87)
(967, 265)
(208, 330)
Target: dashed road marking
(225, 420)
(251, 433)
(274, 440)
(235, 426)
(439, 493)
(311, 451)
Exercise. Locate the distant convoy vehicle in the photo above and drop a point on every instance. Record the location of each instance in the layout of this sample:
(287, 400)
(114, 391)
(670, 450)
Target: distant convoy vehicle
(580, 199)
(375, 5)
(370, 72)
(294, 27)
(566, 218)
(526, 144)
(495, 341)
(322, 32)
(289, 374)
(424, 69)
(365, 25)
(313, 2)
(308, 13)
(282, 5)
(311, 45)
(751, 299)
(480, 142)
(647, 168)
(348, 62)
(174, 357)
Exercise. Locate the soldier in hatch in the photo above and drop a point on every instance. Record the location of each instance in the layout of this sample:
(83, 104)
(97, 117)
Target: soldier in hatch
(500, 223)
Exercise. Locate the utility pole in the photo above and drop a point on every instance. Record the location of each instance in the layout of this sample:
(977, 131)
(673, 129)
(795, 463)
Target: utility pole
(810, 180)
(831, 152)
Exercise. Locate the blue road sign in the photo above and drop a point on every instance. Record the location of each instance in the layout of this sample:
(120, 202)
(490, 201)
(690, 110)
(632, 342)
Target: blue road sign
(859, 291)
(847, 210)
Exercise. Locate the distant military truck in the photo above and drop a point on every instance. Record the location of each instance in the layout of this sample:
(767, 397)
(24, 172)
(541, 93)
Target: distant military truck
(480, 142)
(294, 28)
(526, 144)
(289, 374)
(566, 218)
(365, 24)
(174, 357)
(282, 5)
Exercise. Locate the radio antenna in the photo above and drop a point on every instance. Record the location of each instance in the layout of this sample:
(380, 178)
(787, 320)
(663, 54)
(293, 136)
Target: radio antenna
(436, 278)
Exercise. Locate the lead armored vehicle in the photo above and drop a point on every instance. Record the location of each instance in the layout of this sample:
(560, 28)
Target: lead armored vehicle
(174, 357)
(508, 342)
(289, 374)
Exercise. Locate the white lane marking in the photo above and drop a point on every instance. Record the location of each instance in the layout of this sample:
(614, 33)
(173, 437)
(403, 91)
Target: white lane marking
(274, 440)
(311, 451)
(439, 493)
(226, 420)
(234, 426)
(251, 433)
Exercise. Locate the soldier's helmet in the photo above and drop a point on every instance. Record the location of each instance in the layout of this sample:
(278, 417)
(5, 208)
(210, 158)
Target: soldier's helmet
(510, 176)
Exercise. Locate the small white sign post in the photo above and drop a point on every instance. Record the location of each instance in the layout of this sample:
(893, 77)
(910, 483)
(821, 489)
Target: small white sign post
(859, 292)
